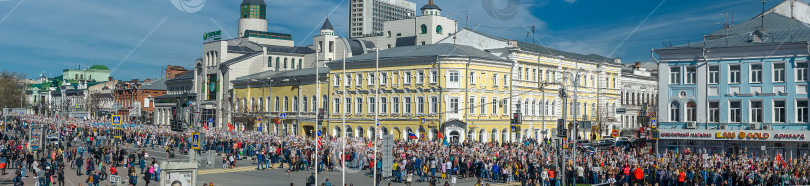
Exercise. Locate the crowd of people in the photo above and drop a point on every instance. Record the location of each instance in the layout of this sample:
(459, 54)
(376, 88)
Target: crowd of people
(88, 149)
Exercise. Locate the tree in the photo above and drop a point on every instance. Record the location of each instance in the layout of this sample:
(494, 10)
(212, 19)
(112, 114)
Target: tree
(13, 89)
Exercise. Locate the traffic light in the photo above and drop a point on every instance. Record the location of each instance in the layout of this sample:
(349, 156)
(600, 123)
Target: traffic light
(561, 132)
(320, 113)
(516, 118)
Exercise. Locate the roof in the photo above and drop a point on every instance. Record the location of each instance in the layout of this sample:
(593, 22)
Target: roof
(430, 5)
(159, 84)
(99, 67)
(327, 25)
(551, 51)
(253, 2)
(778, 30)
(771, 21)
(286, 49)
(184, 77)
(284, 74)
(432, 50)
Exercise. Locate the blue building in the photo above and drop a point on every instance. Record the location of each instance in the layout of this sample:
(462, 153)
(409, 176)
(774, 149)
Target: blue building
(743, 87)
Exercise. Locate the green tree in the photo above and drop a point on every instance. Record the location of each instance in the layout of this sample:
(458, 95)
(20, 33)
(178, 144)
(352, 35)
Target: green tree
(12, 89)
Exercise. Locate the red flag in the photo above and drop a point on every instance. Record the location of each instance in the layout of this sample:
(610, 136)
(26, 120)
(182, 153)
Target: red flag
(205, 126)
(369, 144)
(230, 127)
(441, 136)
(779, 160)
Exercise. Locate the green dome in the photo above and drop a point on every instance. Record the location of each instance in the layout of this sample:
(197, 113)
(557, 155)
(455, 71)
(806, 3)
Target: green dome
(99, 67)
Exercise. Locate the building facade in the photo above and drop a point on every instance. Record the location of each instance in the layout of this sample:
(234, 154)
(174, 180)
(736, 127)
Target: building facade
(429, 28)
(745, 78)
(366, 17)
(165, 105)
(98, 73)
(638, 96)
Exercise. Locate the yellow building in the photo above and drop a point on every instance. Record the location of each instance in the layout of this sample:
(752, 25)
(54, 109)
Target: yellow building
(293, 94)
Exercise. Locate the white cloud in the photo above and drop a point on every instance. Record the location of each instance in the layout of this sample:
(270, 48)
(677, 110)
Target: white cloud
(570, 1)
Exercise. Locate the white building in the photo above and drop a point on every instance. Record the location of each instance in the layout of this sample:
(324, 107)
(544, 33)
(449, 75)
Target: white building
(429, 28)
(639, 89)
(366, 17)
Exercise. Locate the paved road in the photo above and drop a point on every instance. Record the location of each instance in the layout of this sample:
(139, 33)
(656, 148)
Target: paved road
(243, 174)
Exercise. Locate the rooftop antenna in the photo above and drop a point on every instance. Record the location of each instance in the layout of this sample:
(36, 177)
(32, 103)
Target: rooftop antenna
(466, 18)
(762, 17)
(533, 34)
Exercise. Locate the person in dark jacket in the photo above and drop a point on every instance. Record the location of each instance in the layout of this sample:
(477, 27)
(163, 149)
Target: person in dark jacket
(311, 180)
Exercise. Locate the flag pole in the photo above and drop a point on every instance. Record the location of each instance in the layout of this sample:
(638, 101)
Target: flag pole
(317, 126)
(343, 154)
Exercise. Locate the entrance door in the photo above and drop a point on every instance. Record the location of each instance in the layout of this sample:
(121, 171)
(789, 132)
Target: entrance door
(454, 136)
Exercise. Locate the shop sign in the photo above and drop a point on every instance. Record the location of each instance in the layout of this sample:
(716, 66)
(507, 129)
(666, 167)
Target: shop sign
(696, 135)
(745, 135)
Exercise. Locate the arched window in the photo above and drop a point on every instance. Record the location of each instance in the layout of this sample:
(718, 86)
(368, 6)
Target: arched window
(439, 29)
(252, 106)
(278, 61)
(270, 61)
(314, 103)
(389, 34)
(300, 62)
(276, 104)
(423, 29)
(674, 111)
(691, 114)
(295, 103)
(292, 63)
(285, 63)
(260, 105)
(305, 103)
(286, 103)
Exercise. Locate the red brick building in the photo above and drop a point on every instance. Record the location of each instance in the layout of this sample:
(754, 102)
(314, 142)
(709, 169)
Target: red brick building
(136, 98)
(174, 71)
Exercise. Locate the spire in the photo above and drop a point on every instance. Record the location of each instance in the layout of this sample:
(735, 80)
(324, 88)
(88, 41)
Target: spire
(430, 5)
(327, 25)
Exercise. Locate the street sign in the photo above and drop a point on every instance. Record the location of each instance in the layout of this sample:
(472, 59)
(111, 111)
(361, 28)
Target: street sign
(210, 120)
(195, 140)
(653, 124)
(116, 120)
(319, 133)
(614, 133)
(283, 115)
(258, 119)
(565, 142)
(423, 120)
(258, 129)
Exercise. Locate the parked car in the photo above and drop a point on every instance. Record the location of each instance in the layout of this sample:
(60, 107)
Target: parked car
(584, 142)
(53, 140)
(622, 141)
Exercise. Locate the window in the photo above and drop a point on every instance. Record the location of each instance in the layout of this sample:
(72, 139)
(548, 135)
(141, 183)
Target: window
(714, 74)
(756, 111)
(494, 106)
(526, 75)
(504, 107)
(324, 102)
(336, 106)
(286, 103)
(278, 61)
(714, 112)
(434, 105)
(675, 75)
(691, 114)
(276, 103)
(300, 62)
(347, 80)
(779, 72)
(495, 79)
(779, 111)
(472, 77)
(520, 72)
(420, 76)
(434, 76)
(407, 77)
(801, 111)
(734, 74)
(674, 111)
(383, 78)
(407, 104)
(454, 105)
(471, 106)
(439, 29)
(534, 74)
(372, 105)
(285, 63)
(423, 28)
(315, 104)
(292, 63)
(420, 105)
(295, 103)
(734, 111)
(305, 104)
(454, 76)
(505, 80)
(348, 106)
(359, 104)
(359, 80)
(801, 71)
(335, 80)
(371, 79)
(756, 73)
(384, 105)
(691, 75)
(395, 105)
(483, 104)
(270, 61)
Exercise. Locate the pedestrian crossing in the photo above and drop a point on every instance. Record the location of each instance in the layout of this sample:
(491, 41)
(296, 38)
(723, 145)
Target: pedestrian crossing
(219, 171)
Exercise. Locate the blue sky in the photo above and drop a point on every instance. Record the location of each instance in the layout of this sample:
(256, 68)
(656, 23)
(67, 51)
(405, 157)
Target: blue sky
(141, 37)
